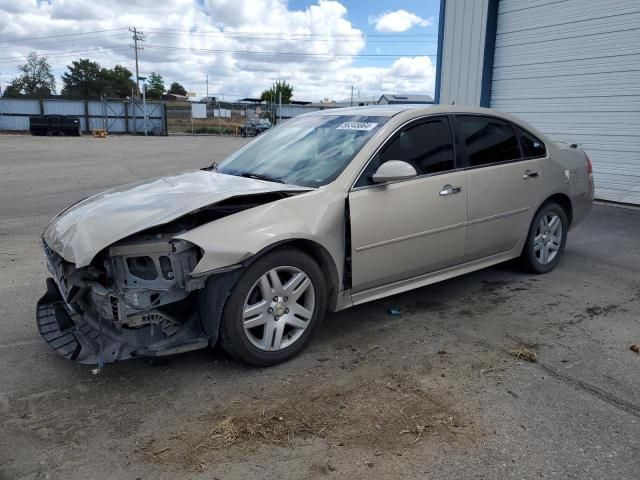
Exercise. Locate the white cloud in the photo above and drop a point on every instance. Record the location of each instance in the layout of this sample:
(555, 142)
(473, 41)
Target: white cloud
(218, 29)
(398, 21)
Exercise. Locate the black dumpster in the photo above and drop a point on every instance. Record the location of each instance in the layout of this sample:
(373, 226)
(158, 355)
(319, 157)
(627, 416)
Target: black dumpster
(54, 125)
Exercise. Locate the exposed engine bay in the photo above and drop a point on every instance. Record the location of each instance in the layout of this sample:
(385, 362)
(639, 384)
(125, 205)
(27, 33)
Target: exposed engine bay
(145, 273)
(137, 297)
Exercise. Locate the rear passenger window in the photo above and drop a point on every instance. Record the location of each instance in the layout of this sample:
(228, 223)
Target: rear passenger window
(488, 140)
(531, 146)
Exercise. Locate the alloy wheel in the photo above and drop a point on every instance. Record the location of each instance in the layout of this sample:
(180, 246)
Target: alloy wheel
(548, 239)
(278, 308)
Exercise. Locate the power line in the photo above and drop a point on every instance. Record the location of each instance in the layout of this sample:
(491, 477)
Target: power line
(100, 50)
(66, 54)
(18, 40)
(311, 37)
(44, 43)
(293, 34)
(298, 54)
(268, 37)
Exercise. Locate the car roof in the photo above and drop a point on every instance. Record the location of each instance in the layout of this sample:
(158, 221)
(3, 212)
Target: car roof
(394, 109)
(370, 110)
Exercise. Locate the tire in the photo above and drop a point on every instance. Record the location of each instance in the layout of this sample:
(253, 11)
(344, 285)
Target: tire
(261, 325)
(546, 239)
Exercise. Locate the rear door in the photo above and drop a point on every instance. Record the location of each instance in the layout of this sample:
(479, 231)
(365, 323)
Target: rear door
(503, 184)
(407, 228)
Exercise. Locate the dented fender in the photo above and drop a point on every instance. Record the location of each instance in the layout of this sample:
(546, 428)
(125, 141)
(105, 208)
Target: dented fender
(316, 216)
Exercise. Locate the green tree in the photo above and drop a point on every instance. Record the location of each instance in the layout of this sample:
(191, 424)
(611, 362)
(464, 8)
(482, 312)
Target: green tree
(83, 79)
(155, 86)
(177, 89)
(272, 94)
(35, 78)
(12, 90)
(118, 82)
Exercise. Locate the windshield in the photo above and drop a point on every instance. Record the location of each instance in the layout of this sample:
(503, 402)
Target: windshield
(308, 151)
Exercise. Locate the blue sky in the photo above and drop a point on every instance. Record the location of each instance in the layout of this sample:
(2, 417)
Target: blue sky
(360, 13)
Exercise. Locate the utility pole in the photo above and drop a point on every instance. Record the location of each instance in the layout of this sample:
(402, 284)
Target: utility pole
(1, 118)
(351, 96)
(144, 103)
(207, 87)
(138, 36)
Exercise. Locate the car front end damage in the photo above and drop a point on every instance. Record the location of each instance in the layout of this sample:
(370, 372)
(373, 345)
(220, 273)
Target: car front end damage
(137, 298)
(141, 294)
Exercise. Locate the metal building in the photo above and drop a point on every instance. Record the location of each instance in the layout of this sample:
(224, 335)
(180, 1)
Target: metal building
(571, 68)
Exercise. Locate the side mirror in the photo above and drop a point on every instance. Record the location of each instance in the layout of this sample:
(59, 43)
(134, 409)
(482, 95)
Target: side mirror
(394, 170)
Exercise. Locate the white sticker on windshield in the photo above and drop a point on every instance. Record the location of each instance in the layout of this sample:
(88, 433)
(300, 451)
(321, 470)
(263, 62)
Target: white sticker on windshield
(365, 126)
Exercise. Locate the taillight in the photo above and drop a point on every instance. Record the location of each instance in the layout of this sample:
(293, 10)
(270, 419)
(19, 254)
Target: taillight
(589, 166)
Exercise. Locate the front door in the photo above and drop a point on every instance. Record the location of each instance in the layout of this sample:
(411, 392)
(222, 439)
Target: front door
(403, 229)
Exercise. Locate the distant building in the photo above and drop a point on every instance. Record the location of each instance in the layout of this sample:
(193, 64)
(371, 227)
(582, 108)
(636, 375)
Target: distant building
(356, 102)
(388, 99)
(174, 97)
(250, 100)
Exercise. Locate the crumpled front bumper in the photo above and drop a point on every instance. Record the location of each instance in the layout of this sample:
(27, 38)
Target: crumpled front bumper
(88, 340)
(64, 329)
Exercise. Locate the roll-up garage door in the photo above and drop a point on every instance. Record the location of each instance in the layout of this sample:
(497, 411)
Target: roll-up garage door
(572, 69)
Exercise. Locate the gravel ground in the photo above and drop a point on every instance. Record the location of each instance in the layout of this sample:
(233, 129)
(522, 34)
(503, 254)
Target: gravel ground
(435, 392)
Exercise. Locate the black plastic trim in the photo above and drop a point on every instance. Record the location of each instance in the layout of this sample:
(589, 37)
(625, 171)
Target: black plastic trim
(441, 18)
(489, 52)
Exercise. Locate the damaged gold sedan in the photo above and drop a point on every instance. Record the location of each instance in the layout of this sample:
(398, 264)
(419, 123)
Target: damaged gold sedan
(325, 211)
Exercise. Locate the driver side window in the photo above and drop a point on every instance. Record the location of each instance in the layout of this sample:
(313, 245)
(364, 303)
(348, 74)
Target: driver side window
(426, 145)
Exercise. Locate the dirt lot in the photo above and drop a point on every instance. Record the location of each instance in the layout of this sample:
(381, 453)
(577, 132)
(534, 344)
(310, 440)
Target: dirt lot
(496, 374)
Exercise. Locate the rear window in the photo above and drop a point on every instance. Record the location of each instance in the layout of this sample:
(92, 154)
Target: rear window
(532, 147)
(488, 140)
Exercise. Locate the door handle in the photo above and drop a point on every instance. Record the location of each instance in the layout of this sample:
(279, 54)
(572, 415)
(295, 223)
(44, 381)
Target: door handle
(449, 190)
(529, 174)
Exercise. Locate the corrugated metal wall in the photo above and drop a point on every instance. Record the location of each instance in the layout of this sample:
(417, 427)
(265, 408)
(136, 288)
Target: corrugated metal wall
(572, 69)
(116, 116)
(463, 52)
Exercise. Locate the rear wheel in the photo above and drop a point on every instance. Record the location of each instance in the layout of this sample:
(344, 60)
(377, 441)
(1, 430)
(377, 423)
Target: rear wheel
(274, 308)
(546, 240)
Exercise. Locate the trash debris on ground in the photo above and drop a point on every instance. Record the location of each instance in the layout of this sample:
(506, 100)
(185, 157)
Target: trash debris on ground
(395, 311)
(417, 431)
(635, 348)
(524, 352)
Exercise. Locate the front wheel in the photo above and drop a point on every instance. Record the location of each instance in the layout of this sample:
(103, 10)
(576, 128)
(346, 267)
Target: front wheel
(546, 240)
(274, 308)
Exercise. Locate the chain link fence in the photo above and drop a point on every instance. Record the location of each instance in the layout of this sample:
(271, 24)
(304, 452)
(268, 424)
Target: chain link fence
(222, 118)
(227, 118)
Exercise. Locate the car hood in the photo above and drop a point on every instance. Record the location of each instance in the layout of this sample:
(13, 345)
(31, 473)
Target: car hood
(79, 233)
